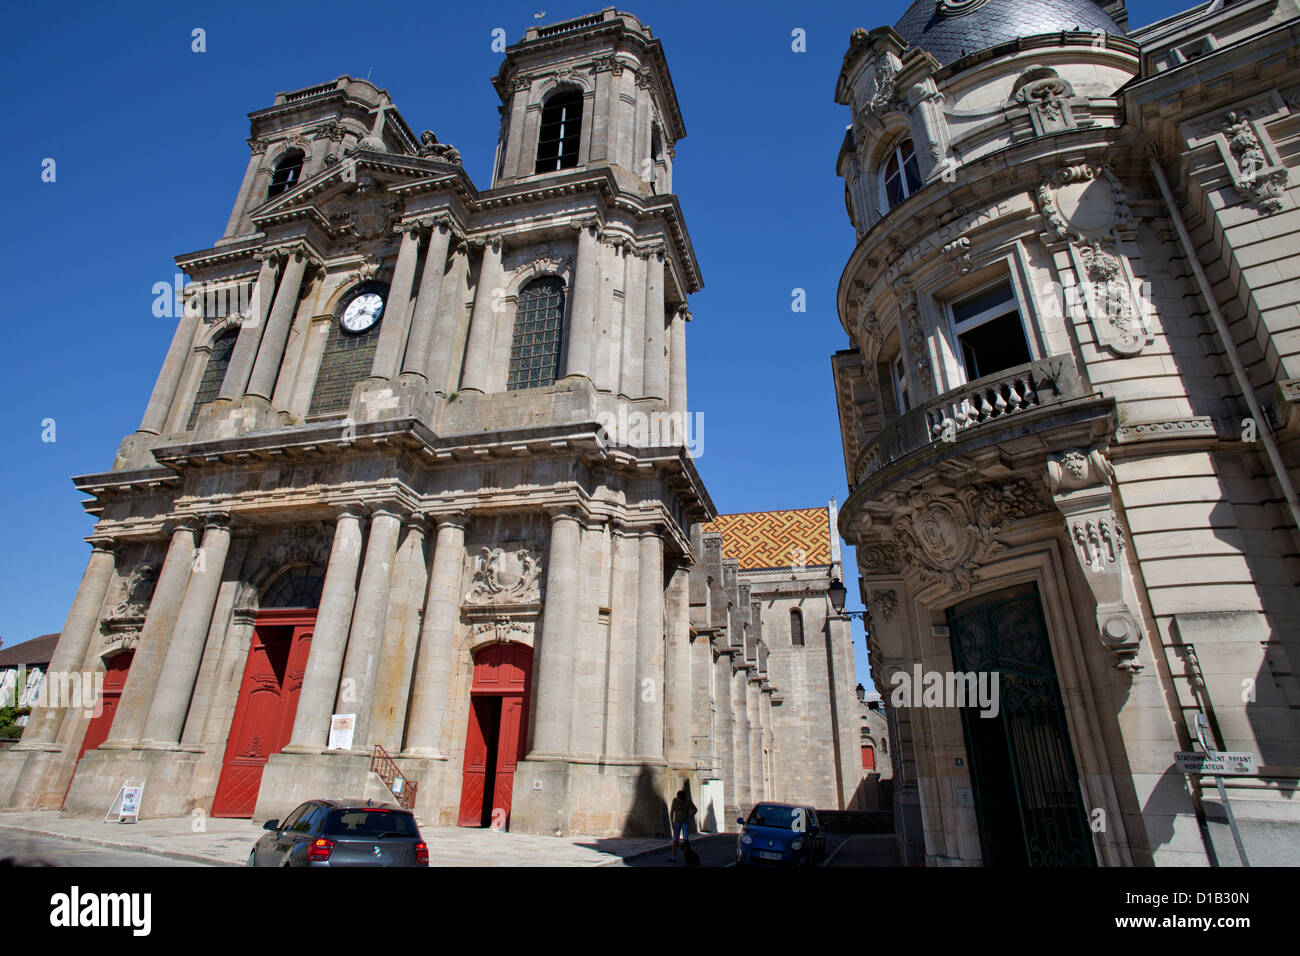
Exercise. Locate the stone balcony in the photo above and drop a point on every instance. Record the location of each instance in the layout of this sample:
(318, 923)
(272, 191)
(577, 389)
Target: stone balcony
(1020, 412)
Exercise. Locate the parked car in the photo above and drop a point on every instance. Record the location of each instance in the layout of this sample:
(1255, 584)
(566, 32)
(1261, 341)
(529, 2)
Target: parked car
(342, 833)
(780, 834)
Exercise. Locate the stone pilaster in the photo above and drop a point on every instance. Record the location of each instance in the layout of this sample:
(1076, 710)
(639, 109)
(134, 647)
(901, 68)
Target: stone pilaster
(78, 630)
(677, 672)
(429, 690)
(754, 724)
(632, 380)
(271, 350)
(677, 362)
(656, 360)
(171, 698)
(159, 622)
(361, 663)
(723, 722)
(580, 342)
(483, 321)
(621, 712)
(740, 739)
(325, 661)
(554, 660)
(650, 649)
(394, 326)
(251, 329)
(428, 325)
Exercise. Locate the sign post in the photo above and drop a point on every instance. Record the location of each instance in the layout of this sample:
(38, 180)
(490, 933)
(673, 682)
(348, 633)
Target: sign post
(1219, 764)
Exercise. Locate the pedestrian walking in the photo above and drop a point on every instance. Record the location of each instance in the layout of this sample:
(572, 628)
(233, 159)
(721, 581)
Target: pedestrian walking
(682, 811)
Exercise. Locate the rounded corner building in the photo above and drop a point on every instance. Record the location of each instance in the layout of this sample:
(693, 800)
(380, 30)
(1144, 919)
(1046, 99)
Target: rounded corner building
(1070, 407)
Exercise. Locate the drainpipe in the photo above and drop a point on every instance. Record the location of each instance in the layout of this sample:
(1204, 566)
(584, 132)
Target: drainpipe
(1229, 347)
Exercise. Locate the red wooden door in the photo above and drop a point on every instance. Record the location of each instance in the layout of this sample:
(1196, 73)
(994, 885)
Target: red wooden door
(268, 701)
(99, 726)
(496, 738)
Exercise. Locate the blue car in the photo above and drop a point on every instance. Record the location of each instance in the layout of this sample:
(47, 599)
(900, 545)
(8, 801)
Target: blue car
(780, 834)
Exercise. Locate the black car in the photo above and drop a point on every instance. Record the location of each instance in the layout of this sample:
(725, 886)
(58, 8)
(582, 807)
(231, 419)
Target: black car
(342, 833)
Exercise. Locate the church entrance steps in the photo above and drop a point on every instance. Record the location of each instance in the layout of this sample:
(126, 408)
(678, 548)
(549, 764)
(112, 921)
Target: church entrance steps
(227, 842)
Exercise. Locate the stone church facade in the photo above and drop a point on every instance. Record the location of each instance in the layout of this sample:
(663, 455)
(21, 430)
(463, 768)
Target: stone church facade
(1070, 421)
(376, 499)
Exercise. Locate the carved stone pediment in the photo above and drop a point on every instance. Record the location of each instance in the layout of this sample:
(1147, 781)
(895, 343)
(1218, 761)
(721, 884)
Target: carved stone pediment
(505, 577)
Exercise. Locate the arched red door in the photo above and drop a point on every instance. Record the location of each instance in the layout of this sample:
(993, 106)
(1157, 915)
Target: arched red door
(99, 726)
(264, 713)
(495, 739)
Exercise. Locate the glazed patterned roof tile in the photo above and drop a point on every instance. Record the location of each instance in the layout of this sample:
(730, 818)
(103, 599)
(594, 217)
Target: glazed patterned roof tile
(775, 539)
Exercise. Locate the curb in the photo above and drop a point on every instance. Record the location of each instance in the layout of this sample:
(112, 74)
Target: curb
(842, 844)
(663, 847)
(109, 844)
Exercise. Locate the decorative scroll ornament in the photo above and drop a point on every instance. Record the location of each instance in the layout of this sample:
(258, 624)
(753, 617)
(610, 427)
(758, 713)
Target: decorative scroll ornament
(1085, 206)
(1047, 97)
(955, 8)
(505, 577)
(502, 630)
(1253, 176)
(1080, 483)
(958, 251)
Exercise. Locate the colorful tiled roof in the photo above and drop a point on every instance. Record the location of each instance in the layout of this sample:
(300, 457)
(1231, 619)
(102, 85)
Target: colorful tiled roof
(775, 539)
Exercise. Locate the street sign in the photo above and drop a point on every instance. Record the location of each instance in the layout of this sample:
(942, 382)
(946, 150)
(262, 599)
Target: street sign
(1219, 763)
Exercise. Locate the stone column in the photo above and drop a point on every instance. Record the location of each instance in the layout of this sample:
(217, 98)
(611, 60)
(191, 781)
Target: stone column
(677, 671)
(271, 350)
(580, 347)
(754, 720)
(250, 330)
(246, 187)
(656, 363)
(393, 326)
(765, 724)
(702, 749)
(649, 687)
(401, 637)
(740, 738)
(483, 321)
(723, 732)
(321, 676)
(361, 664)
(44, 722)
(443, 354)
(554, 662)
(433, 666)
(621, 709)
(164, 390)
(632, 380)
(428, 325)
(137, 695)
(171, 697)
(677, 362)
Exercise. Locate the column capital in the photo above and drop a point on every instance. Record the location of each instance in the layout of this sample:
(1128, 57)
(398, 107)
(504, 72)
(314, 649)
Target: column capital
(396, 509)
(350, 509)
(181, 523)
(106, 545)
(216, 519)
(449, 519)
(564, 512)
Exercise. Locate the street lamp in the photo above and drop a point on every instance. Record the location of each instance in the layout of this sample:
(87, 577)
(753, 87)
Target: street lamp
(838, 593)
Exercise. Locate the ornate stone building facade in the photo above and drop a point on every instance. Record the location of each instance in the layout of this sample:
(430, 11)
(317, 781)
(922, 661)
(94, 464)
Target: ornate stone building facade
(1070, 414)
(371, 482)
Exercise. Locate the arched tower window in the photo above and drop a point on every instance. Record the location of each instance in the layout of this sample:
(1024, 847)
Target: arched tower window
(539, 324)
(557, 143)
(900, 176)
(286, 174)
(214, 373)
(350, 349)
(796, 628)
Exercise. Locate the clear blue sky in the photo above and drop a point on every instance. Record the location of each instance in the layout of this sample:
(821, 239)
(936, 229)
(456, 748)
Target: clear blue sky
(149, 141)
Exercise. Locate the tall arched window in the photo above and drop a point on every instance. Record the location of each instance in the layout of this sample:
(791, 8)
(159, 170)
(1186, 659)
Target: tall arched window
(539, 325)
(214, 373)
(350, 349)
(900, 176)
(796, 628)
(286, 174)
(299, 586)
(557, 143)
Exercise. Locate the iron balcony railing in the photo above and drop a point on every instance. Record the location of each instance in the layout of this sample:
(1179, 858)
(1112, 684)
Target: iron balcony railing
(387, 770)
(947, 417)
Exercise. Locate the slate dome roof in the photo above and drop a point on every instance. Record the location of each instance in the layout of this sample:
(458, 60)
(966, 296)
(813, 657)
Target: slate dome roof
(950, 29)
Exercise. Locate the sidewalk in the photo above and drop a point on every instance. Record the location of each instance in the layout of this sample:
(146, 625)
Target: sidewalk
(228, 842)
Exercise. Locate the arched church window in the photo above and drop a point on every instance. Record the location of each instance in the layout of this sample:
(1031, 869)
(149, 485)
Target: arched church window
(557, 143)
(539, 325)
(796, 628)
(900, 176)
(286, 174)
(214, 373)
(297, 587)
(350, 348)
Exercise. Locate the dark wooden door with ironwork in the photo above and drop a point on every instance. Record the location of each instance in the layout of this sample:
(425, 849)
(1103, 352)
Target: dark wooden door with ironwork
(495, 738)
(1026, 782)
(264, 713)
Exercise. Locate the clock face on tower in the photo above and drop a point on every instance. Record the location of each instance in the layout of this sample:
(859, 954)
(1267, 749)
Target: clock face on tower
(363, 310)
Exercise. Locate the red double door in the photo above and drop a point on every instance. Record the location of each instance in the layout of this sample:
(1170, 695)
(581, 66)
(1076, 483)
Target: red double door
(268, 702)
(496, 737)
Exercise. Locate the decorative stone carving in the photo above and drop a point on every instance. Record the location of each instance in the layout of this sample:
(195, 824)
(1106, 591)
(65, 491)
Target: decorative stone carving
(911, 314)
(331, 130)
(259, 145)
(1255, 178)
(367, 213)
(139, 591)
(881, 558)
(886, 604)
(1085, 207)
(884, 95)
(505, 577)
(959, 252)
(1080, 483)
(1047, 98)
(502, 630)
(430, 148)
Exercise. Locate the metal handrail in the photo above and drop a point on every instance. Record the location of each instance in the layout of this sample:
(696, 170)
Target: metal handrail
(385, 767)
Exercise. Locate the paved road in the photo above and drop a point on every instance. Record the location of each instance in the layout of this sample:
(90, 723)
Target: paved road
(716, 851)
(36, 850)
